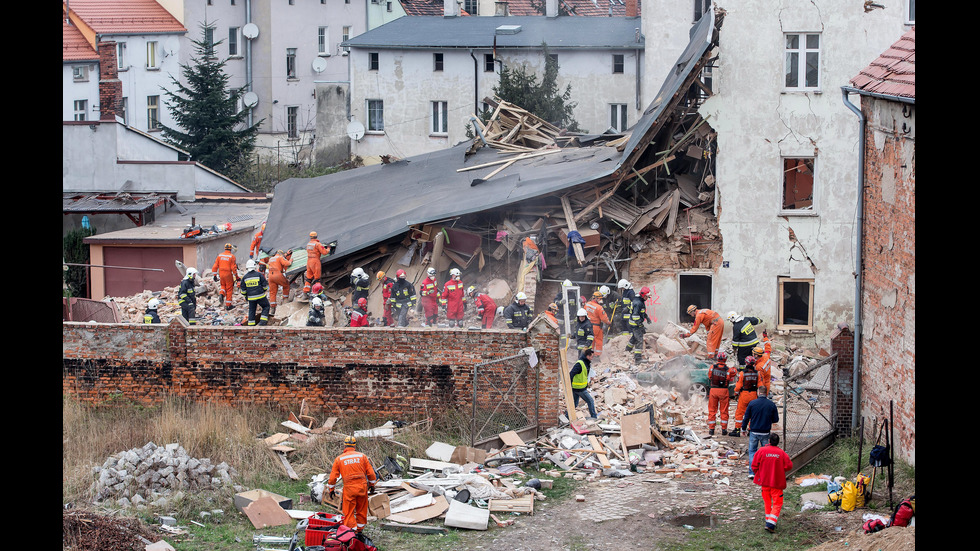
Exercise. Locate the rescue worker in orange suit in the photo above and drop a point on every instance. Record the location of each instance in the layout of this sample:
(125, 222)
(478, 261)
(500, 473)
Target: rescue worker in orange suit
(763, 362)
(359, 315)
(486, 307)
(597, 315)
(386, 284)
(719, 376)
(314, 250)
(253, 250)
(552, 313)
(255, 289)
(713, 323)
(359, 479)
(771, 465)
(278, 283)
(225, 270)
(429, 291)
(455, 296)
(746, 390)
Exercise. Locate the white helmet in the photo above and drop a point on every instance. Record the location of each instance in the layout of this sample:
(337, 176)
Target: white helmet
(358, 273)
(431, 271)
(623, 284)
(454, 272)
(566, 283)
(250, 265)
(520, 297)
(191, 272)
(732, 316)
(604, 290)
(153, 304)
(316, 302)
(582, 312)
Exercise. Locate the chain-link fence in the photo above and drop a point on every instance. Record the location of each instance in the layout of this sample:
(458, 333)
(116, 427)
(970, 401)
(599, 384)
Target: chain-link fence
(505, 397)
(83, 309)
(809, 406)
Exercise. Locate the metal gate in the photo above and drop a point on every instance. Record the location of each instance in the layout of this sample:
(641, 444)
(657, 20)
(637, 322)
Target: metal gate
(809, 410)
(505, 397)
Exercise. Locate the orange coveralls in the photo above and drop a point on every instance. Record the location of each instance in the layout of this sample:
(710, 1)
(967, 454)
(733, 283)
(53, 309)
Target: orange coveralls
(277, 276)
(713, 323)
(356, 470)
(720, 376)
(747, 389)
(314, 249)
(764, 365)
(597, 315)
(253, 250)
(227, 269)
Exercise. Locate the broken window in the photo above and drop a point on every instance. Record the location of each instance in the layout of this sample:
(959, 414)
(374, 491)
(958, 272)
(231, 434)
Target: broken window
(798, 176)
(795, 304)
(694, 289)
(802, 61)
(375, 115)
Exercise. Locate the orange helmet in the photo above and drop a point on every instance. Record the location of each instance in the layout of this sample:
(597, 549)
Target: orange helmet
(381, 275)
(313, 234)
(758, 350)
(227, 246)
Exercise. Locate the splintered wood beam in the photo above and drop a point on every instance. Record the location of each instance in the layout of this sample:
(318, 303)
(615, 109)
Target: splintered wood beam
(537, 153)
(570, 219)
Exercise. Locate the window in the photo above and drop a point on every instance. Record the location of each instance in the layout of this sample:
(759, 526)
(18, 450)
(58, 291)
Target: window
(798, 177)
(232, 2)
(389, 7)
(617, 116)
(79, 73)
(436, 62)
(81, 109)
(440, 114)
(700, 8)
(375, 115)
(209, 41)
(290, 62)
(151, 55)
(121, 56)
(802, 61)
(322, 39)
(124, 109)
(233, 34)
(291, 128)
(471, 6)
(488, 65)
(795, 304)
(910, 13)
(373, 61)
(153, 112)
(554, 57)
(618, 63)
(345, 37)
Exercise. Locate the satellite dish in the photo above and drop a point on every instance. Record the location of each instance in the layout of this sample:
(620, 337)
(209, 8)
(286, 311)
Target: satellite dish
(319, 64)
(250, 99)
(171, 46)
(355, 130)
(250, 31)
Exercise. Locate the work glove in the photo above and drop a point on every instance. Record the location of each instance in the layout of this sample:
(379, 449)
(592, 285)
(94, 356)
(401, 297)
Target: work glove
(480, 311)
(216, 278)
(250, 255)
(685, 335)
(371, 490)
(332, 494)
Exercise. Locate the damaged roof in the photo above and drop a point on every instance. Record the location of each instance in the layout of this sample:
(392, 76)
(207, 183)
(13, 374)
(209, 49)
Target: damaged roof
(369, 205)
(893, 73)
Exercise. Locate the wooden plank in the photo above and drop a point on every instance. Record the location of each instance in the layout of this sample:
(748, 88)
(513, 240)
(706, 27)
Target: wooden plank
(285, 465)
(265, 512)
(439, 506)
(570, 220)
(276, 438)
(567, 387)
(295, 426)
(396, 527)
(635, 429)
(426, 464)
(518, 505)
(461, 515)
(511, 438)
(518, 158)
(599, 452)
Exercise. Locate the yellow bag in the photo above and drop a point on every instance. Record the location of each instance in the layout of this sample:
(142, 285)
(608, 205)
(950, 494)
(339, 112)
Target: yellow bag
(854, 493)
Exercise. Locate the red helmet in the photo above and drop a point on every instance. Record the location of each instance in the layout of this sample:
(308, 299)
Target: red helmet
(721, 356)
(644, 291)
(750, 361)
(317, 287)
(400, 274)
(362, 302)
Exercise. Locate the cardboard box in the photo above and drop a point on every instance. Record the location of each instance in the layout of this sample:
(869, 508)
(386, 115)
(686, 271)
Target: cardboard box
(591, 237)
(465, 454)
(244, 498)
(379, 506)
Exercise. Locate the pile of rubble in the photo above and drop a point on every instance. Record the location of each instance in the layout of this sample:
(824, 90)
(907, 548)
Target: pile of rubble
(154, 475)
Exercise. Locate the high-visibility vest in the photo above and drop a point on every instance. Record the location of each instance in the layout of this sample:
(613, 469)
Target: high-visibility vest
(581, 379)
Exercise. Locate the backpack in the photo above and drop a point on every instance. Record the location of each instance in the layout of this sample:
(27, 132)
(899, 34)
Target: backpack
(904, 512)
(879, 456)
(873, 525)
(854, 493)
(834, 493)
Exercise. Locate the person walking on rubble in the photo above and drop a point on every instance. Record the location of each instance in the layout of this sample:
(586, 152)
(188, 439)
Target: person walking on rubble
(744, 338)
(518, 313)
(429, 291)
(638, 316)
(186, 297)
(402, 299)
(455, 296)
(355, 469)
(771, 465)
(746, 390)
(583, 331)
(713, 324)
(579, 376)
(719, 377)
(278, 284)
(360, 284)
(760, 415)
(763, 361)
(486, 308)
(597, 315)
(255, 289)
(253, 250)
(225, 270)
(386, 284)
(314, 250)
(627, 294)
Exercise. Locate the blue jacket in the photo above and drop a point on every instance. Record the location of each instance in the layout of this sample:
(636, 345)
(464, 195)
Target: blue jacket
(760, 414)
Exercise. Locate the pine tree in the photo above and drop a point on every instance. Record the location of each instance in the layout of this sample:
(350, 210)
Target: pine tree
(520, 87)
(209, 125)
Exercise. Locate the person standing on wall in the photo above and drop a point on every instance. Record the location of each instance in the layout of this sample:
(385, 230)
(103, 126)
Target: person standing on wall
(314, 250)
(455, 296)
(225, 270)
(429, 291)
(518, 313)
(386, 284)
(255, 289)
(402, 299)
(278, 284)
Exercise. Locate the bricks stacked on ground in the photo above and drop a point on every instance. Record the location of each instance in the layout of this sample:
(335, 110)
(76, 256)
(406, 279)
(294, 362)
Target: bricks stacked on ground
(155, 475)
(404, 372)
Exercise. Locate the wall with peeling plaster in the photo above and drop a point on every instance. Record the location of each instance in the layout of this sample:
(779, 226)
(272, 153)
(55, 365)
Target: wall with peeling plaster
(888, 302)
(758, 123)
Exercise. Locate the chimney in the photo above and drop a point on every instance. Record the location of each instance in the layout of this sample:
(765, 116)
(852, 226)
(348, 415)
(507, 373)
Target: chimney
(500, 8)
(450, 8)
(632, 7)
(551, 8)
(110, 87)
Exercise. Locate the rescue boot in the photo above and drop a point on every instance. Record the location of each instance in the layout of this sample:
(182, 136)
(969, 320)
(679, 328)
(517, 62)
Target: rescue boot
(724, 432)
(735, 433)
(711, 432)
(272, 311)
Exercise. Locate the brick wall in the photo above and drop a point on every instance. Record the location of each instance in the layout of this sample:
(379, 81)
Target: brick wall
(403, 373)
(110, 87)
(843, 345)
(888, 274)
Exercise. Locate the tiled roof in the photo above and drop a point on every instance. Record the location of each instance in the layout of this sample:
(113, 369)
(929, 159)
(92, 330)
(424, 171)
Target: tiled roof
(893, 73)
(74, 47)
(584, 8)
(126, 16)
(424, 7)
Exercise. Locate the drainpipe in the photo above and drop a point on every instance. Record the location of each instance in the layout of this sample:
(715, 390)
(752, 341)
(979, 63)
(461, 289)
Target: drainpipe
(248, 57)
(476, 84)
(857, 272)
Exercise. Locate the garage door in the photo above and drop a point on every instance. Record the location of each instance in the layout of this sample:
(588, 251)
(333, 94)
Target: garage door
(124, 283)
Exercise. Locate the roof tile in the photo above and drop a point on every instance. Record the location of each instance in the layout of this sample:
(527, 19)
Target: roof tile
(74, 47)
(893, 73)
(126, 16)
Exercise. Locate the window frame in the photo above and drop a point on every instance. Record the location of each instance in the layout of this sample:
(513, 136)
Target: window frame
(618, 62)
(489, 61)
(80, 107)
(291, 64)
(323, 40)
(234, 41)
(910, 12)
(474, 3)
(121, 57)
(620, 115)
(438, 62)
(374, 61)
(802, 52)
(437, 116)
(701, 7)
(780, 307)
(151, 56)
(292, 122)
(374, 107)
(152, 114)
(124, 107)
(79, 73)
(345, 36)
(811, 162)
